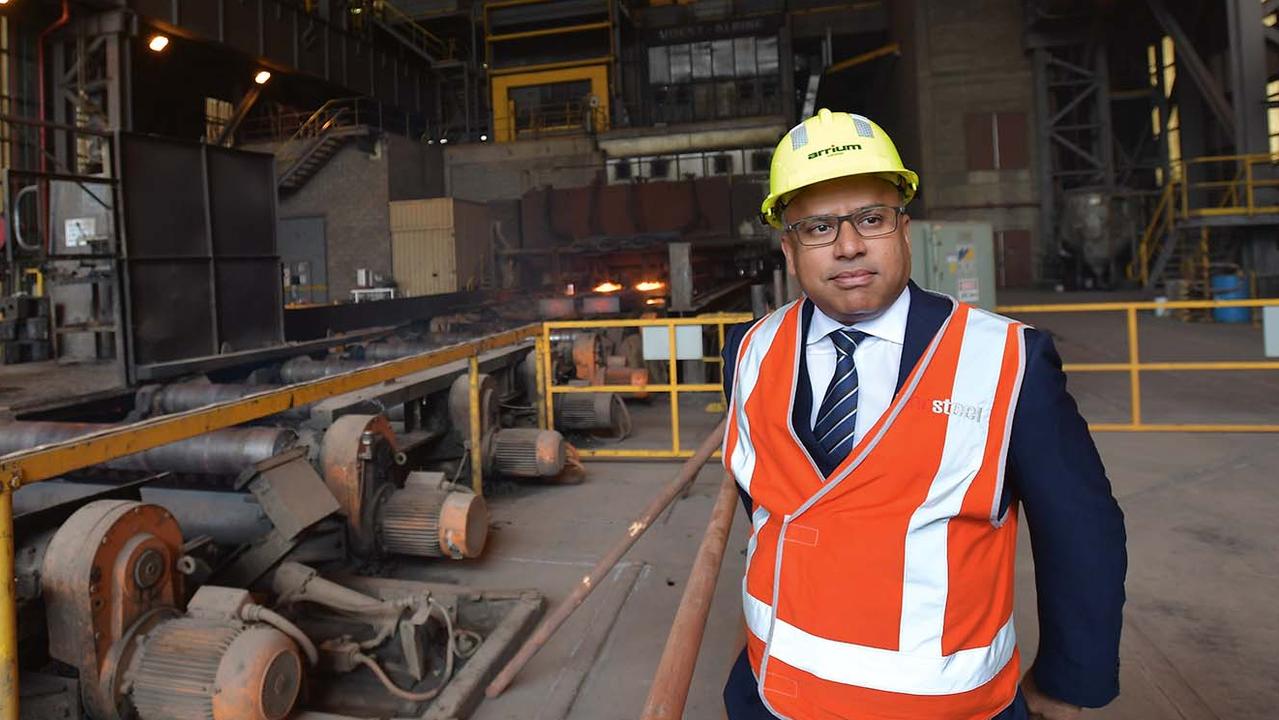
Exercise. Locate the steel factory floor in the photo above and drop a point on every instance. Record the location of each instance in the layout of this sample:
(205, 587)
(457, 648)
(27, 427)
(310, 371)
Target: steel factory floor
(29, 384)
(1201, 628)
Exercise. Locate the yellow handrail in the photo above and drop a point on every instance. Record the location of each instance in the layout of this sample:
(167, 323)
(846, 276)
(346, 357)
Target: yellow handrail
(1134, 366)
(1160, 217)
(673, 387)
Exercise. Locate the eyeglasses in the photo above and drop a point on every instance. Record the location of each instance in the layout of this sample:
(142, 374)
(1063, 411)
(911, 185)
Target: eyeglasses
(869, 222)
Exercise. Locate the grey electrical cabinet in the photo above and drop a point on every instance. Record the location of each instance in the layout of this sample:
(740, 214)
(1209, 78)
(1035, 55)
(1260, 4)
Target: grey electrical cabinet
(955, 258)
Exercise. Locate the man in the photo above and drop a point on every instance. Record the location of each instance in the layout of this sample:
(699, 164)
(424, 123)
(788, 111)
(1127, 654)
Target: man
(883, 438)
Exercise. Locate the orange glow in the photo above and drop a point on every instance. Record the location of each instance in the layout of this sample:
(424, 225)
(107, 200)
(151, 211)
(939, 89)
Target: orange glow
(650, 285)
(607, 286)
(655, 301)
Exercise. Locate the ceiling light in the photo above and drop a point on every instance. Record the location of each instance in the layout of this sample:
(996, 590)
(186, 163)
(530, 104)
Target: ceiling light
(262, 77)
(484, 138)
(158, 43)
(444, 141)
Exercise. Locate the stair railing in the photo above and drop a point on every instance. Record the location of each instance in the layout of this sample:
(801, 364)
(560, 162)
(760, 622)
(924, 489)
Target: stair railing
(338, 113)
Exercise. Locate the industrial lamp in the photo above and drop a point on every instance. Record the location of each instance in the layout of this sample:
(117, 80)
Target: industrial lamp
(157, 43)
(262, 77)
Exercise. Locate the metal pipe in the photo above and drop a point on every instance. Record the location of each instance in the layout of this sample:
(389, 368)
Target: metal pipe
(230, 518)
(62, 20)
(44, 463)
(222, 452)
(304, 369)
(394, 351)
(675, 488)
(669, 692)
(759, 306)
(180, 397)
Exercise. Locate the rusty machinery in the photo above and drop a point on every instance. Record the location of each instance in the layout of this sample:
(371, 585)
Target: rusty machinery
(386, 513)
(583, 358)
(112, 583)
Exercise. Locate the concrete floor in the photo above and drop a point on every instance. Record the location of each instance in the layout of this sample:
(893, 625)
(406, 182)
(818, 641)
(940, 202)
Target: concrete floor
(1201, 624)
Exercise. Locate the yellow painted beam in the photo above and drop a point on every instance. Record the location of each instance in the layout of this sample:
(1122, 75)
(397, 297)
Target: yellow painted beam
(879, 52)
(52, 461)
(8, 611)
(1171, 428)
(1137, 305)
(655, 388)
(564, 30)
(719, 318)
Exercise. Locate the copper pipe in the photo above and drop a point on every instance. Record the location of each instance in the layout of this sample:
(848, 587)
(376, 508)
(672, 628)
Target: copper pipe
(669, 692)
(675, 488)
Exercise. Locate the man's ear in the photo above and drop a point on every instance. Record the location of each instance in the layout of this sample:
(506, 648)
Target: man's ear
(789, 251)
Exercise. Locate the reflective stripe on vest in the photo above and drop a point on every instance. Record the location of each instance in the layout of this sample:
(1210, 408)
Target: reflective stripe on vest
(885, 588)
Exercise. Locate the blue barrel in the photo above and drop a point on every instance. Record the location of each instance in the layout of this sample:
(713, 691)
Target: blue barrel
(1230, 287)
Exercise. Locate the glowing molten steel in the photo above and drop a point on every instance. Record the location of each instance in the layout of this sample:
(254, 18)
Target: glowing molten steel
(607, 287)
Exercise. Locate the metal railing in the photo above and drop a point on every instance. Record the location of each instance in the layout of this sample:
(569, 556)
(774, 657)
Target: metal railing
(1135, 366)
(558, 118)
(333, 115)
(547, 389)
(1236, 185)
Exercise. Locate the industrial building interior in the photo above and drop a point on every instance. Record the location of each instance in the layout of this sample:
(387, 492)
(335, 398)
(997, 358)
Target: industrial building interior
(362, 358)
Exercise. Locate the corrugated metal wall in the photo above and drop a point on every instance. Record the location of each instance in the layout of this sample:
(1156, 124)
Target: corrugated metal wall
(438, 245)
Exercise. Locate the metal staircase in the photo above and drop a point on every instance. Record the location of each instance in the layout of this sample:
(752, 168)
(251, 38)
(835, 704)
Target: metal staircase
(1178, 244)
(316, 141)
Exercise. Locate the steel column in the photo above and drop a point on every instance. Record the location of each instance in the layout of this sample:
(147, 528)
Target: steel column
(1194, 65)
(1043, 148)
(1248, 75)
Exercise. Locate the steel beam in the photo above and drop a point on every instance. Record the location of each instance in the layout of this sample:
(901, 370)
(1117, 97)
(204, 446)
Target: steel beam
(1043, 142)
(1248, 75)
(1195, 67)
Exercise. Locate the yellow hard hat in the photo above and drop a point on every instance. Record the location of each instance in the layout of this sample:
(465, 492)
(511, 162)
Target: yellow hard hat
(830, 145)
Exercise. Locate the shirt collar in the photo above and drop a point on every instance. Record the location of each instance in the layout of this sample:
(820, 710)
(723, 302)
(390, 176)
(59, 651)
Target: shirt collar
(889, 325)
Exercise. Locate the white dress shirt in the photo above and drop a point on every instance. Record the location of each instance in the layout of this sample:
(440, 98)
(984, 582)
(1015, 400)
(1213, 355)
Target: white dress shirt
(878, 358)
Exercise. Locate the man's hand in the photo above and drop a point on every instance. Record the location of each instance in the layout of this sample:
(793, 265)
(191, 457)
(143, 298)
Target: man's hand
(1043, 707)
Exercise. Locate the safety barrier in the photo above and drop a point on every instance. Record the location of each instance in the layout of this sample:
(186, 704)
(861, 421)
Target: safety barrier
(1135, 367)
(548, 390)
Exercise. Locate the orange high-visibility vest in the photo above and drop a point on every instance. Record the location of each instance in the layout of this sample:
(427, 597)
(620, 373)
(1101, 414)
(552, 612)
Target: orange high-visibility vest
(886, 589)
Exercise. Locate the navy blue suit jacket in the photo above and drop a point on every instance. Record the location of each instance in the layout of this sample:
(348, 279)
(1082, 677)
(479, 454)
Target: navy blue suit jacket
(1076, 527)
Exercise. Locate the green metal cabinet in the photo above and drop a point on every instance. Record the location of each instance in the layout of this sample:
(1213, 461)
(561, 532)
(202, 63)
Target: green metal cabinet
(955, 258)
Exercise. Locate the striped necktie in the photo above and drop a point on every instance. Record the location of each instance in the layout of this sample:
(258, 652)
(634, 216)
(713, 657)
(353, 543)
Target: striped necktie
(837, 417)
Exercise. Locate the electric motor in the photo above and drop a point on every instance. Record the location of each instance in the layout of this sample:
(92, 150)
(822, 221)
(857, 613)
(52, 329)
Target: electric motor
(585, 411)
(196, 668)
(528, 452)
(432, 522)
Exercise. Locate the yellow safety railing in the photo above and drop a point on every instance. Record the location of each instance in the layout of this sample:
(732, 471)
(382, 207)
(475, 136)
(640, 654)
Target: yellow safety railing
(1236, 195)
(1135, 367)
(1160, 222)
(1243, 189)
(548, 389)
(50, 461)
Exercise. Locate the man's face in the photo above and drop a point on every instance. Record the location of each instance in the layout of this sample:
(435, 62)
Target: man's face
(855, 277)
